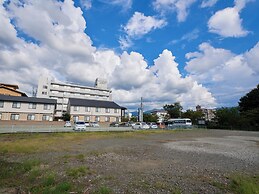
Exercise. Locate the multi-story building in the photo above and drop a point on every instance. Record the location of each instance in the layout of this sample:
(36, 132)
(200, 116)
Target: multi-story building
(208, 114)
(26, 108)
(49, 88)
(95, 110)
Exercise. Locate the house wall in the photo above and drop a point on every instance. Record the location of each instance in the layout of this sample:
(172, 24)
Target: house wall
(82, 113)
(5, 91)
(7, 110)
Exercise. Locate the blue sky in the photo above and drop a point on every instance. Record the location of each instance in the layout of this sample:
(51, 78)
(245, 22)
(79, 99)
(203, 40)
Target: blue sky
(189, 51)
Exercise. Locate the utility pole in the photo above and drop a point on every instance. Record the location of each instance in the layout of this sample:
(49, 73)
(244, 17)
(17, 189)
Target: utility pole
(140, 112)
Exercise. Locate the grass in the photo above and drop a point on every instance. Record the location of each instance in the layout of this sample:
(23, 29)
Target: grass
(77, 172)
(42, 142)
(240, 184)
(103, 190)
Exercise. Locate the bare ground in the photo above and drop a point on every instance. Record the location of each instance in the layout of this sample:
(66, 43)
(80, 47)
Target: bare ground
(167, 162)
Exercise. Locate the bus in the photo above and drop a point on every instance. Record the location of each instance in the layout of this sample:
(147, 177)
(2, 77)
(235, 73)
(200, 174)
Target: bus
(179, 123)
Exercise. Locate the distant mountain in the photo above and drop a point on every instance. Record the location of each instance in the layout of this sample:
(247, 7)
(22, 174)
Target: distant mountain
(135, 113)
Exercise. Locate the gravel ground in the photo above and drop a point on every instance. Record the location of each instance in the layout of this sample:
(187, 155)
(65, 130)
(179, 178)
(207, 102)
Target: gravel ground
(184, 161)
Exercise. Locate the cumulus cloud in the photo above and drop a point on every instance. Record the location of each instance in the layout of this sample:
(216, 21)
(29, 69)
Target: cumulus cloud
(228, 76)
(227, 22)
(139, 24)
(179, 6)
(57, 45)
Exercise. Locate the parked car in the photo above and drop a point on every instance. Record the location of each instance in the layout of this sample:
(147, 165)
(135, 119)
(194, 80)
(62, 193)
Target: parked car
(87, 124)
(140, 125)
(114, 124)
(153, 126)
(79, 126)
(67, 124)
(95, 124)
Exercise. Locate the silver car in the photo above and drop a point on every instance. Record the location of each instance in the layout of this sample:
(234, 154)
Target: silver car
(79, 126)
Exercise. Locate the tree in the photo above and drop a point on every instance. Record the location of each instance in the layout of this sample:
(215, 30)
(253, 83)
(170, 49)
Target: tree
(250, 101)
(227, 117)
(150, 118)
(174, 110)
(249, 108)
(66, 116)
(193, 115)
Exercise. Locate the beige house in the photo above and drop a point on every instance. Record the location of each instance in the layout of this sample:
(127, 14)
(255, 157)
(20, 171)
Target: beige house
(95, 110)
(10, 90)
(26, 108)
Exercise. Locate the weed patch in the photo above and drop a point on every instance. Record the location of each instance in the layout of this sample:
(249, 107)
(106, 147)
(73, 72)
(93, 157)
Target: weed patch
(77, 172)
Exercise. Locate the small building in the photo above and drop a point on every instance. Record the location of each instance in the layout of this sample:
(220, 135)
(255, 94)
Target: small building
(26, 108)
(208, 114)
(95, 110)
(10, 90)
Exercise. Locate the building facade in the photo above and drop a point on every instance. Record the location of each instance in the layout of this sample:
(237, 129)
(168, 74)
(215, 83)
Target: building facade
(26, 108)
(49, 88)
(208, 114)
(95, 110)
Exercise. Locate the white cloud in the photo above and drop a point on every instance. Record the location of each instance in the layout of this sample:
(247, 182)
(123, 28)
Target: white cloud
(179, 6)
(227, 22)
(124, 4)
(139, 24)
(66, 52)
(209, 57)
(229, 76)
(87, 4)
(208, 3)
(194, 34)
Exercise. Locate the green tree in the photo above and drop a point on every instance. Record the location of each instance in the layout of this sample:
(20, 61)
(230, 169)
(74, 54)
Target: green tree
(174, 110)
(66, 116)
(249, 108)
(149, 117)
(250, 101)
(193, 115)
(227, 118)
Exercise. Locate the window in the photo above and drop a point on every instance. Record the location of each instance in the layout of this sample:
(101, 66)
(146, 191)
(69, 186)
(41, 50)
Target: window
(45, 87)
(107, 119)
(15, 116)
(45, 117)
(116, 110)
(76, 108)
(97, 109)
(87, 109)
(31, 117)
(44, 93)
(117, 119)
(107, 110)
(97, 118)
(46, 107)
(1, 104)
(32, 106)
(87, 118)
(16, 105)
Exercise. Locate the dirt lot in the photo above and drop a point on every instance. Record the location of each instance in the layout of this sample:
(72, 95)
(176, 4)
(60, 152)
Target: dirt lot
(193, 161)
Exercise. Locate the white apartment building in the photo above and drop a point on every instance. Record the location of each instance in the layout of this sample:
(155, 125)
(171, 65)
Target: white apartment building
(49, 88)
(26, 108)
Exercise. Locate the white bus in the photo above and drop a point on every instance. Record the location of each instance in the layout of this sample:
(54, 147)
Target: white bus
(179, 123)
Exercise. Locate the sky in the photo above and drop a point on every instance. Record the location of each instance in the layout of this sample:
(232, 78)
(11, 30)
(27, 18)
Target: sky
(196, 52)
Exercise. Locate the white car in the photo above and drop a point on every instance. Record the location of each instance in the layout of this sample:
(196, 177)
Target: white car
(140, 125)
(153, 126)
(67, 124)
(79, 126)
(95, 124)
(87, 124)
